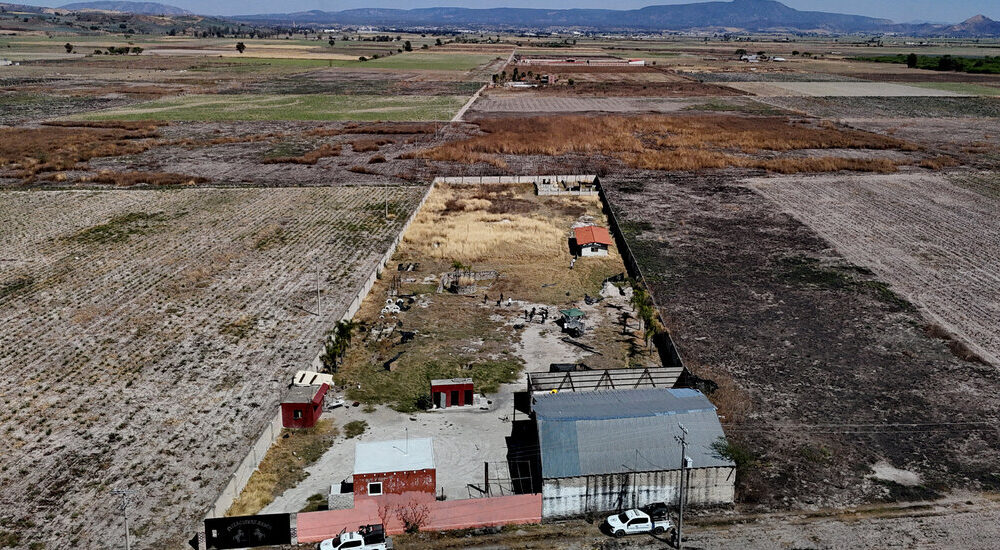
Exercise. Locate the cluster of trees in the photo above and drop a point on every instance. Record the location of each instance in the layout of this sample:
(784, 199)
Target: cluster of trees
(113, 50)
(978, 65)
(336, 344)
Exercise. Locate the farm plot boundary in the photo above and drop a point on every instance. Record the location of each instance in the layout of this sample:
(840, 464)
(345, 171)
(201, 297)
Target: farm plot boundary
(934, 241)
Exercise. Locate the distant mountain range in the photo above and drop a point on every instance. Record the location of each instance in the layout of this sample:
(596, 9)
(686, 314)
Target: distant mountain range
(139, 8)
(737, 15)
(756, 15)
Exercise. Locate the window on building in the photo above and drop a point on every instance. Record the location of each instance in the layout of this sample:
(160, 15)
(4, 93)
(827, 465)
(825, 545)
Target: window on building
(297, 415)
(375, 488)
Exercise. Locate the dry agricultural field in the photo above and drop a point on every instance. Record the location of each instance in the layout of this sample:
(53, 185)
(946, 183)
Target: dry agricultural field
(818, 233)
(935, 241)
(150, 334)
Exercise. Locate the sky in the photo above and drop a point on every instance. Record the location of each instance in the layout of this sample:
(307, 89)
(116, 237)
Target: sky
(900, 11)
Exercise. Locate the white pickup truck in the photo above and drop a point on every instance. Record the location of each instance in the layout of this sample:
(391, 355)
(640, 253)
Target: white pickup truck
(369, 537)
(634, 522)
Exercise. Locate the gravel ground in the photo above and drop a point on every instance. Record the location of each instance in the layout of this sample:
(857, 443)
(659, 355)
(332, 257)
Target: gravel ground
(458, 455)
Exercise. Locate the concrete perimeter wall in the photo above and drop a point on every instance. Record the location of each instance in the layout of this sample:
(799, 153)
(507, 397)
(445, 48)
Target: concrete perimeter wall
(271, 431)
(441, 515)
(576, 496)
(247, 467)
(669, 356)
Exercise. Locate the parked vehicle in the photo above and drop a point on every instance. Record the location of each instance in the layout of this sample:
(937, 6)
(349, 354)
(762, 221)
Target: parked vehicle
(656, 510)
(369, 537)
(634, 522)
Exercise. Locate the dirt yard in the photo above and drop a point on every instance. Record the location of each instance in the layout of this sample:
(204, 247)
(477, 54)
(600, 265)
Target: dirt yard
(827, 370)
(150, 334)
(524, 239)
(935, 242)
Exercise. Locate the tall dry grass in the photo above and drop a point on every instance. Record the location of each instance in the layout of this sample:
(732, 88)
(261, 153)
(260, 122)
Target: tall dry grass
(31, 151)
(128, 179)
(668, 142)
(456, 226)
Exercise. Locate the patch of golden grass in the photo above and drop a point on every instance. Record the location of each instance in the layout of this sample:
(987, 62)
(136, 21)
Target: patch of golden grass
(283, 466)
(939, 162)
(455, 226)
(669, 142)
(368, 145)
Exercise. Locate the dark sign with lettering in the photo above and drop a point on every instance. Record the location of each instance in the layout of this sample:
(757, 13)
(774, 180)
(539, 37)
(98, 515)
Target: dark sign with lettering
(246, 531)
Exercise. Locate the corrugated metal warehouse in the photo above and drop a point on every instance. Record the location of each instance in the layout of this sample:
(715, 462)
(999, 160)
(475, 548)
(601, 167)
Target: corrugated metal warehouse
(611, 450)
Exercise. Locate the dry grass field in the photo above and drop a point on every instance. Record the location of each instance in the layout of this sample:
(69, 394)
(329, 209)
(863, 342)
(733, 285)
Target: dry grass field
(663, 142)
(150, 334)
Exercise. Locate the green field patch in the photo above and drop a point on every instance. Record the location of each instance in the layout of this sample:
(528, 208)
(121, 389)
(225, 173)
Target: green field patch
(288, 107)
(966, 64)
(959, 87)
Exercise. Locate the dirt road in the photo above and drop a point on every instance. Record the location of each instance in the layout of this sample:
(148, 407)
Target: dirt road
(964, 521)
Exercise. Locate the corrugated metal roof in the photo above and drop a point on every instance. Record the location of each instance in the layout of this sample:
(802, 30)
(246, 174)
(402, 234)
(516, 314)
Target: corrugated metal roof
(450, 381)
(592, 234)
(596, 380)
(399, 455)
(621, 431)
(302, 394)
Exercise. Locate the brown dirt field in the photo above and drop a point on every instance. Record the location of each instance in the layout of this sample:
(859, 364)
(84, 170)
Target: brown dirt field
(975, 142)
(586, 69)
(252, 153)
(934, 241)
(161, 308)
(838, 369)
(633, 89)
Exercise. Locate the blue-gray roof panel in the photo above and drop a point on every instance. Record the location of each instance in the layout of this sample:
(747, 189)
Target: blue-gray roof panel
(623, 431)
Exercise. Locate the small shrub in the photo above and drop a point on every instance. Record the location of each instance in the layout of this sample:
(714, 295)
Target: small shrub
(355, 428)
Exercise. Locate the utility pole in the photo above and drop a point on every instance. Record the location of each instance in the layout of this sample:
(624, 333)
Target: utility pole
(124, 493)
(682, 439)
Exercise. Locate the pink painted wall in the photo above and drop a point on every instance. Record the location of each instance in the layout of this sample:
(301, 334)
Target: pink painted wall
(444, 515)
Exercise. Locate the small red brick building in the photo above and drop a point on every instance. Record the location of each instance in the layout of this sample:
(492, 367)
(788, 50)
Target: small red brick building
(303, 406)
(452, 392)
(394, 468)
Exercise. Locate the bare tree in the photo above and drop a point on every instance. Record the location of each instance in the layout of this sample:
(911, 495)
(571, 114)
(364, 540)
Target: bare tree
(414, 515)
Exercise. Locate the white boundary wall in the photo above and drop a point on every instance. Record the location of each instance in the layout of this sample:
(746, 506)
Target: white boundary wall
(493, 180)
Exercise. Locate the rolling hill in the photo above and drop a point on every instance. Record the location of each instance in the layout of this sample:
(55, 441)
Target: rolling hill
(139, 8)
(739, 14)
